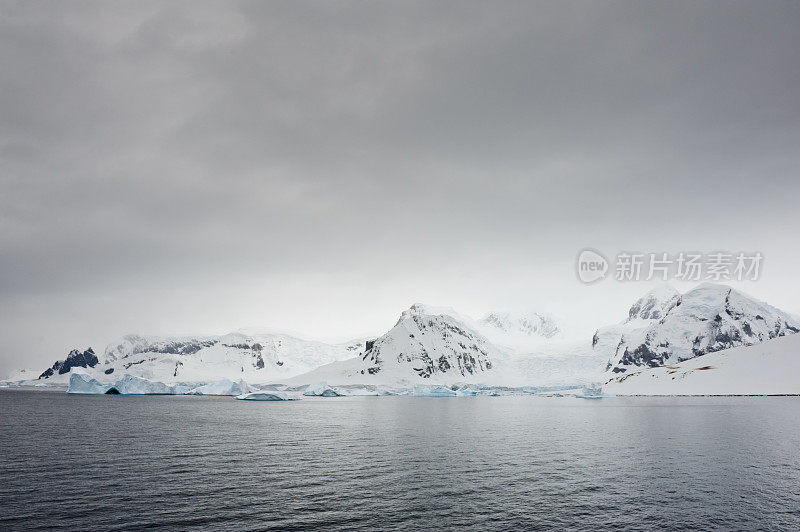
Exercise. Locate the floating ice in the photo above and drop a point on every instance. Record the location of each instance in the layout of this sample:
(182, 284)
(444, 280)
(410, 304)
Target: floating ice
(590, 392)
(222, 387)
(436, 391)
(321, 389)
(266, 396)
(131, 385)
(361, 391)
(182, 389)
(80, 382)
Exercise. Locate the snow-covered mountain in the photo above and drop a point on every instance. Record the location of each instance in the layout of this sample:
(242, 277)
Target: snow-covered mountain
(768, 368)
(426, 344)
(665, 327)
(257, 358)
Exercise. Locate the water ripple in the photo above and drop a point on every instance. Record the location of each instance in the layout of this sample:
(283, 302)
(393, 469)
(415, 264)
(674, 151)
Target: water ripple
(398, 463)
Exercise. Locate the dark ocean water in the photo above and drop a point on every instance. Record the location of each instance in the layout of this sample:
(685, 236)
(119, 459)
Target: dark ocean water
(373, 463)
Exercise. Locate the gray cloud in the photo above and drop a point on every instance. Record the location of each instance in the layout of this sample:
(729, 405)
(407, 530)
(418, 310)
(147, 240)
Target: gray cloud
(329, 159)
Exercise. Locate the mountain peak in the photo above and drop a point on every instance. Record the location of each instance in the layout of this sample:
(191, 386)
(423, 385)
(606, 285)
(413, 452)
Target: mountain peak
(75, 359)
(425, 309)
(655, 304)
(429, 343)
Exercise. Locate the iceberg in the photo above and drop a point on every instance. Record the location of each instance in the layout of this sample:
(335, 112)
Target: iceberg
(222, 387)
(80, 382)
(182, 389)
(590, 392)
(361, 392)
(131, 385)
(321, 389)
(266, 396)
(436, 391)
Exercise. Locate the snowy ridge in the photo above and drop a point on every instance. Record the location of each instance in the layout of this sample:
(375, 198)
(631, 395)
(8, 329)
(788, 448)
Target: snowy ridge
(254, 358)
(521, 332)
(531, 324)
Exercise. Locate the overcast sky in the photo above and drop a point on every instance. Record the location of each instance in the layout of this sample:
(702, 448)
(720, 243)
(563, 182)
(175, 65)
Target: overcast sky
(196, 167)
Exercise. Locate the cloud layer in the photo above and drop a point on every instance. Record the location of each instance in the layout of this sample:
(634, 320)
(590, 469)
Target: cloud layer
(199, 166)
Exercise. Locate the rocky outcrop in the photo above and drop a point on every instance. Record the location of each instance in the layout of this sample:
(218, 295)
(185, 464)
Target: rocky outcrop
(75, 359)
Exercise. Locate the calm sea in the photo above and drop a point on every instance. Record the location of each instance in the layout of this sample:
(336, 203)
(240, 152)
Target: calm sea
(378, 463)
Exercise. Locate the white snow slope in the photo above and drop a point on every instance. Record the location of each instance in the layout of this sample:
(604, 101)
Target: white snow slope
(771, 367)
